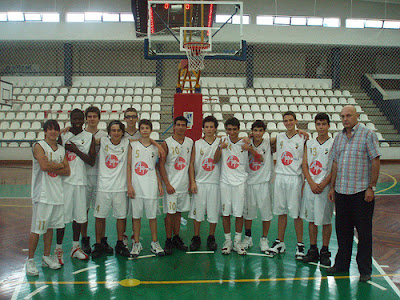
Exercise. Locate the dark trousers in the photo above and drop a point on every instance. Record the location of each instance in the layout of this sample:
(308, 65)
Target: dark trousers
(353, 211)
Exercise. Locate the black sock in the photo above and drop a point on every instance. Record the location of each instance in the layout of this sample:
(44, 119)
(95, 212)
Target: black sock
(247, 232)
(324, 249)
(313, 247)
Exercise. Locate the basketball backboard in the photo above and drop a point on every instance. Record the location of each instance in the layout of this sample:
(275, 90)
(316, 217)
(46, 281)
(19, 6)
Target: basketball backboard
(172, 24)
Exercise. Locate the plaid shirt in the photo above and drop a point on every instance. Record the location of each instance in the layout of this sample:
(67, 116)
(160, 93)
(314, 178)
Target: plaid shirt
(353, 157)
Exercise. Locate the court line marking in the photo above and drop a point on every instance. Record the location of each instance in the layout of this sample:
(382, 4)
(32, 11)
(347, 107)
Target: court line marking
(377, 285)
(390, 187)
(29, 296)
(85, 269)
(258, 254)
(18, 287)
(317, 264)
(200, 252)
(143, 256)
(384, 266)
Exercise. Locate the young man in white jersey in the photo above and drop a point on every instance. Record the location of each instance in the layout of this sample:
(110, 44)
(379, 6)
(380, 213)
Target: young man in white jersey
(288, 184)
(144, 187)
(258, 185)
(92, 115)
(80, 146)
(204, 177)
(112, 188)
(317, 209)
(174, 170)
(49, 164)
(233, 153)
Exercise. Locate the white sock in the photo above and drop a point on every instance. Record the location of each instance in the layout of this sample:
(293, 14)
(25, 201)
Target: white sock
(238, 236)
(58, 246)
(75, 244)
(228, 236)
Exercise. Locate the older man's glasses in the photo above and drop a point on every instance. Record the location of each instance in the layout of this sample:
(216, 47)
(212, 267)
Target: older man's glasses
(130, 117)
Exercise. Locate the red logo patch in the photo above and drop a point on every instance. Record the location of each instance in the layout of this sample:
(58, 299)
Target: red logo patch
(111, 161)
(316, 167)
(208, 164)
(180, 163)
(51, 174)
(71, 156)
(287, 158)
(254, 164)
(141, 168)
(233, 162)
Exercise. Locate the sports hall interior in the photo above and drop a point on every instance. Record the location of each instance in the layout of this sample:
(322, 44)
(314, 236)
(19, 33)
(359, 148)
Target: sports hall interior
(54, 67)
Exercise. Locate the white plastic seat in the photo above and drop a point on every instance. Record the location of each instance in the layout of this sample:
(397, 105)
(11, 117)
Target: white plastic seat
(30, 116)
(307, 100)
(311, 126)
(15, 125)
(283, 108)
(106, 107)
(271, 100)
(268, 117)
(8, 135)
(226, 107)
(248, 117)
(335, 118)
(258, 116)
(332, 127)
(343, 101)
(271, 126)
(116, 107)
(358, 109)
(241, 92)
(294, 93)
(250, 92)
(337, 93)
(231, 92)
(364, 118)
(289, 100)
(10, 116)
(334, 101)
(255, 108)
(277, 92)
(371, 126)
(312, 93)
(352, 101)
(321, 108)
(302, 108)
(330, 108)
(268, 92)
(146, 99)
(312, 108)
(307, 117)
(340, 126)
(157, 91)
(45, 107)
(286, 92)
(299, 117)
(236, 108)
(25, 125)
(264, 108)
(252, 100)
(329, 93)
(233, 100)
(259, 92)
(280, 100)
(36, 125)
(206, 107)
(238, 116)
(298, 100)
(261, 100)
(316, 100)
(278, 117)
(213, 92)
(147, 91)
(30, 136)
(40, 99)
(321, 93)
(293, 108)
(223, 92)
(216, 108)
(156, 107)
(281, 126)
(274, 108)
(155, 116)
(325, 100)
(136, 106)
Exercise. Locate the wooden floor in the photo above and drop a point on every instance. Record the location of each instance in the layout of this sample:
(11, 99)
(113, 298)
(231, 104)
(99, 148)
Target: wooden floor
(15, 218)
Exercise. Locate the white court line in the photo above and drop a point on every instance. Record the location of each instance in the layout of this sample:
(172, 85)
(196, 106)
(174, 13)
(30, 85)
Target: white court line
(85, 269)
(29, 296)
(384, 266)
(258, 254)
(143, 256)
(200, 252)
(377, 285)
(317, 264)
(380, 270)
(25, 250)
(18, 287)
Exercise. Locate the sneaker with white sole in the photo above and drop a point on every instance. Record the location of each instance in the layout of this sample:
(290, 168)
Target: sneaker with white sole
(50, 262)
(300, 253)
(264, 244)
(30, 267)
(277, 247)
(247, 242)
(77, 252)
(239, 248)
(59, 254)
(227, 247)
(156, 249)
(136, 249)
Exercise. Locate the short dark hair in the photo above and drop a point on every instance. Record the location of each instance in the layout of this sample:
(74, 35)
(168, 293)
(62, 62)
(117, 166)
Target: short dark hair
(210, 119)
(116, 122)
(130, 109)
(290, 113)
(76, 111)
(232, 121)
(180, 118)
(51, 124)
(258, 124)
(145, 122)
(93, 109)
(322, 116)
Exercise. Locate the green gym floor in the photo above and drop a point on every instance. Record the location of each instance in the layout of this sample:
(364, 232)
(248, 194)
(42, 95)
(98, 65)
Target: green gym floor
(184, 275)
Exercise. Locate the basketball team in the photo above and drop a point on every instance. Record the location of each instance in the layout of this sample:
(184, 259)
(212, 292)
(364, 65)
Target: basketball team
(124, 171)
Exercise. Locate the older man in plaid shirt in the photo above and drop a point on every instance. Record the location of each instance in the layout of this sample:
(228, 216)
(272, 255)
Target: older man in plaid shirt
(355, 172)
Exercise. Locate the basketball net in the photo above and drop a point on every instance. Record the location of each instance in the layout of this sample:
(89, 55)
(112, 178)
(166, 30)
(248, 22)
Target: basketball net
(195, 55)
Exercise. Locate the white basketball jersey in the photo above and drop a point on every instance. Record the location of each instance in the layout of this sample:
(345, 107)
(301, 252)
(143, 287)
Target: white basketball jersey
(82, 140)
(206, 171)
(135, 136)
(144, 176)
(289, 154)
(260, 172)
(112, 166)
(47, 187)
(93, 170)
(319, 164)
(177, 164)
(233, 163)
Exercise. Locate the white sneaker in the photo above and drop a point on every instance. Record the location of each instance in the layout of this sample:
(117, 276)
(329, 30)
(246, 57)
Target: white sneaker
(277, 247)
(264, 245)
(156, 249)
(227, 247)
(247, 242)
(125, 240)
(50, 262)
(239, 248)
(300, 251)
(30, 268)
(59, 254)
(77, 252)
(136, 249)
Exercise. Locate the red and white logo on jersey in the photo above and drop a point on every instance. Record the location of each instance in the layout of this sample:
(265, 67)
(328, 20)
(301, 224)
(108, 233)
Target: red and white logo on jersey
(254, 164)
(111, 161)
(315, 167)
(180, 163)
(141, 168)
(71, 156)
(287, 158)
(51, 174)
(233, 162)
(208, 164)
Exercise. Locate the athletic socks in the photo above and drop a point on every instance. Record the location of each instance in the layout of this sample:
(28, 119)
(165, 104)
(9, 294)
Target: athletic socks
(58, 246)
(75, 243)
(247, 232)
(228, 236)
(238, 236)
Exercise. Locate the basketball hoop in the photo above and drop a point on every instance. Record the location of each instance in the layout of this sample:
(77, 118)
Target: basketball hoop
(195, 54)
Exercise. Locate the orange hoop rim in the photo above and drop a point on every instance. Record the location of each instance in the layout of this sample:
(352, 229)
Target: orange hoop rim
(196, 45)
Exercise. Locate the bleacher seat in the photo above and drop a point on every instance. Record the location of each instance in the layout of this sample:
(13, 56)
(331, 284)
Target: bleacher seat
(334, 101)
(271, 126)
(281, 126)
(261, 100)
(268, 117)
(278, 117)
(238, 116)
(226, 108)
(236, 108)
(243, 99)
(268, 92)
(155, 116)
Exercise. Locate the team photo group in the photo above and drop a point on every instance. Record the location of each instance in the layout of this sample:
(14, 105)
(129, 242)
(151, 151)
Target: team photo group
(81, 170)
